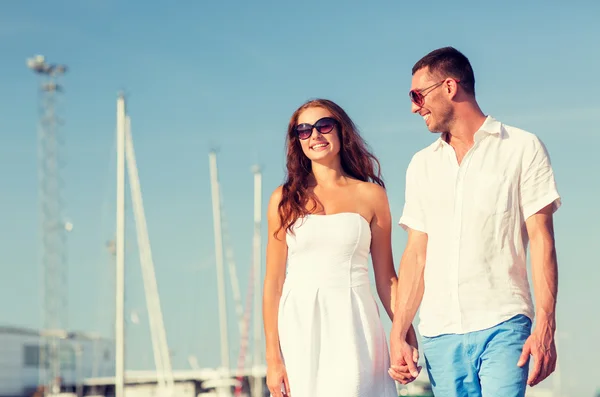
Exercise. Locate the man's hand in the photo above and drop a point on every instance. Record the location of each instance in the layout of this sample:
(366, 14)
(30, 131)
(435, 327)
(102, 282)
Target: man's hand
(540, 345)
(403, 359)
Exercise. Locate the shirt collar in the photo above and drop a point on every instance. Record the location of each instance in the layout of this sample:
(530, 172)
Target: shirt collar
(490, 126)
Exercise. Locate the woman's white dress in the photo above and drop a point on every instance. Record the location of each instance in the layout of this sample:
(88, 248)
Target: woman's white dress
(331, 336)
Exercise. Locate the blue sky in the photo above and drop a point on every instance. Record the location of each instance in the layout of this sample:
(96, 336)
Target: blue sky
(230, 75)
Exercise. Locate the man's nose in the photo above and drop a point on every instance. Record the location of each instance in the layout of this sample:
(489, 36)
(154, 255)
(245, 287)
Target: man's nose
(414, 108)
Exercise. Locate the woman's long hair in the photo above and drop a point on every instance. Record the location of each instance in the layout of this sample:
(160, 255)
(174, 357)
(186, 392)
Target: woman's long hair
(356, 160)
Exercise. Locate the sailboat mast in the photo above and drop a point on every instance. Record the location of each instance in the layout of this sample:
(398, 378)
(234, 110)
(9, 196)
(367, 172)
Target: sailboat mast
(158, 334)
(257, 280)
(216, 205)
(120, 253)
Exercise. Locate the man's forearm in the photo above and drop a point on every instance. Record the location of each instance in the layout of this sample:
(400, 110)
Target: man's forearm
(409, 292)
(545, 279)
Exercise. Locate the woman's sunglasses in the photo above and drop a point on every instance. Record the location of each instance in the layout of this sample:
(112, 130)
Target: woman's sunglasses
(418, 96)
(324, 126)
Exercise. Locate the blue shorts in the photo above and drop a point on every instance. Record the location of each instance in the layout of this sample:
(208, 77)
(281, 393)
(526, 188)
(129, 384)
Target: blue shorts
(481, 363)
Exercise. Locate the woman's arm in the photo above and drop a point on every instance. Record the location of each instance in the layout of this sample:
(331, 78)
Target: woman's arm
(381, 247)
(386, 279)
(274, 277)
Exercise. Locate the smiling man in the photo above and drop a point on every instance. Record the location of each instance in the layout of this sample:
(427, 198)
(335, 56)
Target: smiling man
(475, 199)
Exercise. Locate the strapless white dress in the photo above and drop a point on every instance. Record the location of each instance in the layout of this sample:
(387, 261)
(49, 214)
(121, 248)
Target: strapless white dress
(331, 336)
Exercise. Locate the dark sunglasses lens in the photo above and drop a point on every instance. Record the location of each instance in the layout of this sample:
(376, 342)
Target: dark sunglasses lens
(325, 126)
(416, 98)
(304, 131)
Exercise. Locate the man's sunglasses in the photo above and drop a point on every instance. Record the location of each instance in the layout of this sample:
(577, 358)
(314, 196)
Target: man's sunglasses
(324, 126)
(418, 96)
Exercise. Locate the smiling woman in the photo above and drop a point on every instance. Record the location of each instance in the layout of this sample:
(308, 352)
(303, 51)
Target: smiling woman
(323, 332)
(346, 148)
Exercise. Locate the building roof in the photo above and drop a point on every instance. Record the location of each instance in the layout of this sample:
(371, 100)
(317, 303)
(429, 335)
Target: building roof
(16, 330)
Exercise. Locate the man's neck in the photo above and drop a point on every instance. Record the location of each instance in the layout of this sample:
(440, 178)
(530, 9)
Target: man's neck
(467, 121)
(461, 135)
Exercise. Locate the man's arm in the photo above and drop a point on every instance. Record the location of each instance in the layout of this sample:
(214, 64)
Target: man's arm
(410, 288)
(409, 291)
(409, 294)
(539, 199)
(544, 270)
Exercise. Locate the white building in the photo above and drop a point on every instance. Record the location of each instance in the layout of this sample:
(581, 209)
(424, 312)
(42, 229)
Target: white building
(81, 356)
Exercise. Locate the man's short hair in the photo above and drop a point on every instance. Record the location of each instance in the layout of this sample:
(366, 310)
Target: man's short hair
(449, 62)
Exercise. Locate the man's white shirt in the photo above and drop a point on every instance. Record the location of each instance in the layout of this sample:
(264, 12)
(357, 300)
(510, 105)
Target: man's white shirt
(474, 215)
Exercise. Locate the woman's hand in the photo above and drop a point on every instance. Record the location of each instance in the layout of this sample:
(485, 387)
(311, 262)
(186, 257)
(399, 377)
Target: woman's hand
(276, 378)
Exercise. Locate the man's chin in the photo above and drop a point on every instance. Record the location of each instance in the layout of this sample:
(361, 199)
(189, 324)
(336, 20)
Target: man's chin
(433, 129)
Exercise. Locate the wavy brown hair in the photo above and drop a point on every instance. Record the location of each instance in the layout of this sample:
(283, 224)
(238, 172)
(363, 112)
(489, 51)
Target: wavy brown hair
(356, 160)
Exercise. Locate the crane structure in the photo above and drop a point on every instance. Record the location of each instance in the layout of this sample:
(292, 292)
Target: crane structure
(53, 227)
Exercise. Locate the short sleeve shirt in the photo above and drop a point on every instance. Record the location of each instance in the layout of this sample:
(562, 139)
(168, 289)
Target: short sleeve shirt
(474, 215)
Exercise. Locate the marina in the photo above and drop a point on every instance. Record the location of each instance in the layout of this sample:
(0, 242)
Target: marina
(58, 362)
(141, 144)
(87, 365)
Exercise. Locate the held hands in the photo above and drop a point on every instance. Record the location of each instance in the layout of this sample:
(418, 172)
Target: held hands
(277, 380)
(404, 359)
(540, 345)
